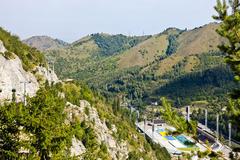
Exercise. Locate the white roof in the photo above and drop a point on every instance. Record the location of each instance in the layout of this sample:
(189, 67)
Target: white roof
(177, 144)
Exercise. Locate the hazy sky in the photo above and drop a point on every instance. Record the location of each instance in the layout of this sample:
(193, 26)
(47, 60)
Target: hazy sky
(71, 19)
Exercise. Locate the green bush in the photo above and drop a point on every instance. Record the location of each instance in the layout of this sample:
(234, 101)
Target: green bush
(108, 124)
(86, 111)
(8, 55)
(173, 44)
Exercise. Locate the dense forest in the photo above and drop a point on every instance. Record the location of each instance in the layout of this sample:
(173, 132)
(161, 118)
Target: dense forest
(210, 81)
(47, 135)
(110, 45)
(210, 85)
(95, 60)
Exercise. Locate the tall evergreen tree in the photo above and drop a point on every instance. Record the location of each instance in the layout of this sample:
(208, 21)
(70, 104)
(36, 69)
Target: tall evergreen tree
(9, 131)
(230, 29)
(45, 111)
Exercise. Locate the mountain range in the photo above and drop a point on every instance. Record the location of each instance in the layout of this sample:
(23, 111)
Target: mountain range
(184, 65)
(45, 42)
(43, 117)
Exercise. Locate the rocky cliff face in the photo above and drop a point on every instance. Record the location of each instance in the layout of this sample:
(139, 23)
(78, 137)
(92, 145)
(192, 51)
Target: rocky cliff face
(13, 77)
(2, 48)
(116, 149)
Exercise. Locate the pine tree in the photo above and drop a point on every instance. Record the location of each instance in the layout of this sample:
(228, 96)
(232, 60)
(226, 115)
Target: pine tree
(45, 112)
(9, 131)
(230, 30)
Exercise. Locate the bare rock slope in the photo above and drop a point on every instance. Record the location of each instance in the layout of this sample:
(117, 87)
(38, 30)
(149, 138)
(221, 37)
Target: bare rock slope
(13, 77)
(117, 150)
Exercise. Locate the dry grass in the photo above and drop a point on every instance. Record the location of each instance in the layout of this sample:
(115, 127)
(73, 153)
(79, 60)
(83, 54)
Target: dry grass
(86, 49)
(79, 52)
(193, 42)
(192, 62)
(168, 63)
(144, 53)
(199, 40)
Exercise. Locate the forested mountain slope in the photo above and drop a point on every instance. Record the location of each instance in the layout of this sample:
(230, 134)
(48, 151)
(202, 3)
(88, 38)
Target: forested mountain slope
(60, 120)
(139, 66)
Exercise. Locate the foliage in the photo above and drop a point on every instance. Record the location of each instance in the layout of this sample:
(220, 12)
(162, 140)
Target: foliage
(46, 114)
(75, 92)
(89, 137)
(30, 57)
(8, 55)
(210, 79)
(133, 156)
(203, 154)
(100, 69)
(229, 29)
(40, 127)
(173, 44)
(161, 153)
(112, 44)
(172, 117)
(9, 131)
(40, 123)
(47, 136)
(207, 85)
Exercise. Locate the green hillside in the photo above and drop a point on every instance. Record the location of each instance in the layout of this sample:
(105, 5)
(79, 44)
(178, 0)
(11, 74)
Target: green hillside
(30, 57)
(43, 129)
(112, 44)
(46, 134)
(89, 52)
(137, 66)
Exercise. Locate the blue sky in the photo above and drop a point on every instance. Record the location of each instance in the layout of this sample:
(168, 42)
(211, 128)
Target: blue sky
(70, 20)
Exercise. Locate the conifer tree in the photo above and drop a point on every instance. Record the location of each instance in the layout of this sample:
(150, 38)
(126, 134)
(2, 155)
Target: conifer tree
(230, 30)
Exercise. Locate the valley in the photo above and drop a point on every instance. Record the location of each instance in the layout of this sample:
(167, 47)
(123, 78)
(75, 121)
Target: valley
(43, 117)
(185, 66)
(139, 80)
(142, 67)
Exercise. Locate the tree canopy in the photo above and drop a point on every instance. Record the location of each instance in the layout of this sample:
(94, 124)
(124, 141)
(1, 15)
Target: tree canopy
(230, 30)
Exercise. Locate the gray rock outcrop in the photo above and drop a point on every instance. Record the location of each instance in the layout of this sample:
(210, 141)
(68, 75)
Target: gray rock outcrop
(116, 149)
(2, 48)
(13, 77)
(77, 148)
